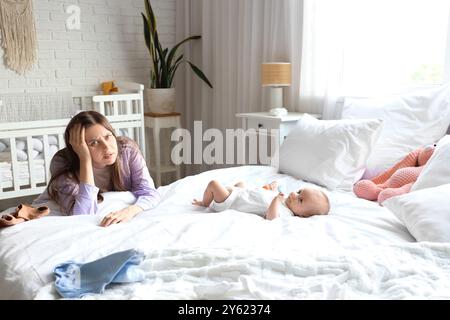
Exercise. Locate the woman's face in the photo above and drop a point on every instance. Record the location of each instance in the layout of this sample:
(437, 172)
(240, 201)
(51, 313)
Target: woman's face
(102, 145)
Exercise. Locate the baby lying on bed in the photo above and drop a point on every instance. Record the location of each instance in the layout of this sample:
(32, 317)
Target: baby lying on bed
(266, 201)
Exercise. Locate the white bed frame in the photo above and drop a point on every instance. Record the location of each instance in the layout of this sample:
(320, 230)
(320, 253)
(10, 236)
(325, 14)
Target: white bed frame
(124, 111)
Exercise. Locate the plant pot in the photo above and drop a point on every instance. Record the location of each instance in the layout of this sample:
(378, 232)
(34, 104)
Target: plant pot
(160, 100)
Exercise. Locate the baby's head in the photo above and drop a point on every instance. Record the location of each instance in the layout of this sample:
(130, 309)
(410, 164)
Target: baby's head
(308, 202)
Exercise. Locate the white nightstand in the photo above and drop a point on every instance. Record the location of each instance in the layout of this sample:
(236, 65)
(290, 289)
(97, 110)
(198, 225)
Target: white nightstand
(263, 120)
(272, 127)
(156, 122)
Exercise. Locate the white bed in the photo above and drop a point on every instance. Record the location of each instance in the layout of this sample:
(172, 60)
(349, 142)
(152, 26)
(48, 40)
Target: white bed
(359, 251)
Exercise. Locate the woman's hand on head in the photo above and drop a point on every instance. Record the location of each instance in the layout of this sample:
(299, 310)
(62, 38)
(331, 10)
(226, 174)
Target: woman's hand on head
(78, 143)
(123, 215)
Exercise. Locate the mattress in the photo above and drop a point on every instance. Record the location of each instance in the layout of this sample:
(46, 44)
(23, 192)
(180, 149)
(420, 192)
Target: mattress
(359, 251)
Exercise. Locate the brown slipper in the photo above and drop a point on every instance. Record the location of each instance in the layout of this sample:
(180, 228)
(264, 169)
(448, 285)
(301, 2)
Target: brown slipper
(9, 220)
(23, 213)
(29, 213)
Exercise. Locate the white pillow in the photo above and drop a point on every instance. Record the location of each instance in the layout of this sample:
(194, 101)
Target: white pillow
(437, 170)
(425, 213)
(331, 153)
(410, 121)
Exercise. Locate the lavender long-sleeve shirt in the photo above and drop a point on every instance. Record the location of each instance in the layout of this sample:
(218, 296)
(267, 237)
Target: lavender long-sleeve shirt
(81, 198)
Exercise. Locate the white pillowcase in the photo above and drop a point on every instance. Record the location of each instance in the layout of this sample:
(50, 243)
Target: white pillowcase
(410, 121)
(331, 153)
(425, 213)
(437, 169)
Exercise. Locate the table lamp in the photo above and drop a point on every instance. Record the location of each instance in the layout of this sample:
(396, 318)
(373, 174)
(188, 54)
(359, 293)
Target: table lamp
(276, 75)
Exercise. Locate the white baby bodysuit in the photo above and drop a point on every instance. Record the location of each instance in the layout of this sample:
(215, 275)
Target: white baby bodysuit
(255, 201)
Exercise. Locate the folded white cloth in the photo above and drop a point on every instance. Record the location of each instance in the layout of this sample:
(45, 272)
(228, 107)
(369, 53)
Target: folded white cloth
(23, 171)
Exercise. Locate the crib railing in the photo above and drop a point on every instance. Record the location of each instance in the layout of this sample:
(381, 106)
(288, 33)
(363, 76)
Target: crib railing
(125, 111)
(35, 180)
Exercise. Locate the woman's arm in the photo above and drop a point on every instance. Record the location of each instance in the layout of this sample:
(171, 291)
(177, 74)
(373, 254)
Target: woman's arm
(73, 197)
(79, 145)
(142, 187)
(77, 198)
(86, 198)
(123, 215)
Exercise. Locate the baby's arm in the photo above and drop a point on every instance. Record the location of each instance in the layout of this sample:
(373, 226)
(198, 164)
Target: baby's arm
(272, 212)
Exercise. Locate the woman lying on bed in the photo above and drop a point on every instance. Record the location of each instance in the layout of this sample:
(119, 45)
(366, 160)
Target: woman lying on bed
(96, 161)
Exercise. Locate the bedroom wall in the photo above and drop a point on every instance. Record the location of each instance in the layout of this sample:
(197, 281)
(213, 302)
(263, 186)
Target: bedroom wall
(109, 45)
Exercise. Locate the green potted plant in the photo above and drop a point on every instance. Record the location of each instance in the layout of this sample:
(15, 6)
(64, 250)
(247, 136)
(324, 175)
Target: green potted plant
(165, 63)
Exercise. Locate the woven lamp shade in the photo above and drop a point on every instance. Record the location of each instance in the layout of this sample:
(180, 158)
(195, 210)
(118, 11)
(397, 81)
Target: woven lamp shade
(276, 74)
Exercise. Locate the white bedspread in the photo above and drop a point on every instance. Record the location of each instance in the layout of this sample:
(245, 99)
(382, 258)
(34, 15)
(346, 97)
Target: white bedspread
(359, 251)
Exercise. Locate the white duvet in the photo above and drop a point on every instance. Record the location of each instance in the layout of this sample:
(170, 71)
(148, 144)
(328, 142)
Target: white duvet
(359, 251)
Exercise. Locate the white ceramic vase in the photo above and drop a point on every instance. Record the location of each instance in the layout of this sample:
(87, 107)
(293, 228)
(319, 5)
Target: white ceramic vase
(160, 100)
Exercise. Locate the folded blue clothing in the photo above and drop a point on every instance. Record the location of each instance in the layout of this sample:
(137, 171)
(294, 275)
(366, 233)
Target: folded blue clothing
(74, 280)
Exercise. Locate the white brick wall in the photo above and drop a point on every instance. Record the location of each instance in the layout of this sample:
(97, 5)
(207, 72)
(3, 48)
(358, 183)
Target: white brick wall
(109, 46)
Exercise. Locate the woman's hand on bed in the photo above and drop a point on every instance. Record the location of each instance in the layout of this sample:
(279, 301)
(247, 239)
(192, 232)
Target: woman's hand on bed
(123, 215)
(78, 143)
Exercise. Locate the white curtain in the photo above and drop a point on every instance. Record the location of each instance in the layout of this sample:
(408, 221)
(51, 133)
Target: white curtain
(371, 48)
(237, 36)
(322, 56)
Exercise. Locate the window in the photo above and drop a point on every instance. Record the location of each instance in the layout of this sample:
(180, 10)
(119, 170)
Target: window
(392, 45)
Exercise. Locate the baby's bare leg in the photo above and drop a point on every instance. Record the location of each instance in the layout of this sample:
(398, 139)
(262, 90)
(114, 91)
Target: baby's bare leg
(214, 191)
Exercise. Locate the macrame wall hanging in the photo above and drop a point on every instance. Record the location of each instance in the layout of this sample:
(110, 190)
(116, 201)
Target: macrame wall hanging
(18, 33)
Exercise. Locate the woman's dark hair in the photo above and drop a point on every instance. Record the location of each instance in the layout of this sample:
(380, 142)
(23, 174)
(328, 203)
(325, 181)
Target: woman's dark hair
(72, 162)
